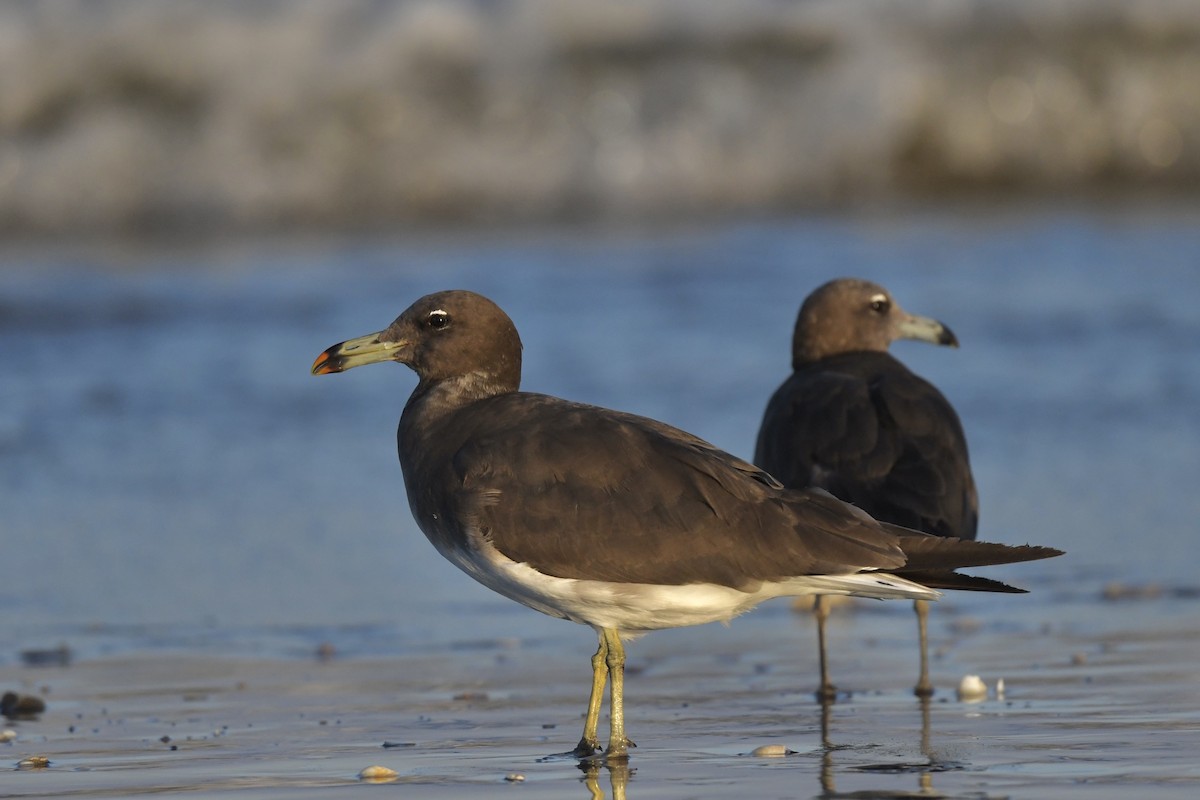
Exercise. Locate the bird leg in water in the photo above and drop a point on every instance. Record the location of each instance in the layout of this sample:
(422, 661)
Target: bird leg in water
(827, 691)
(589, 744)
(923, 688)
(618, 743)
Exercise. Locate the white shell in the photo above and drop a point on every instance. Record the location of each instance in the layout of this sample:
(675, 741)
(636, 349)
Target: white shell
(378, 774)
(972, 689)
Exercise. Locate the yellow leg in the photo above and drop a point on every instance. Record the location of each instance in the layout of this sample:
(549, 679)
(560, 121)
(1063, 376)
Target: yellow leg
(589, 743)
(618, 742)
(827, 690)
(923, 688)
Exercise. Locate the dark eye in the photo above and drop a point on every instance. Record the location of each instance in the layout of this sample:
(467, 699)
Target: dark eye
(880, 304)
(438, 320)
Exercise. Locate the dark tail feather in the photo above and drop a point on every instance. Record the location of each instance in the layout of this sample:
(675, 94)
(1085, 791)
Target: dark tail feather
(937, 553)
(936, 579)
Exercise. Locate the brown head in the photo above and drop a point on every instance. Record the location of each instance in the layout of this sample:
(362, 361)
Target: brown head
(446, 336)
(849, 315)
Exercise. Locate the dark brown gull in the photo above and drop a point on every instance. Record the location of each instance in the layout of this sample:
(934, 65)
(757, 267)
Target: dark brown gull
(856, 422)
(612, 520)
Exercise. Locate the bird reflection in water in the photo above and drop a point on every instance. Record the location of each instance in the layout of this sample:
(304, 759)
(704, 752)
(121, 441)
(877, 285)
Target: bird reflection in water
(619, 772)
(618, 777)
(924, 772)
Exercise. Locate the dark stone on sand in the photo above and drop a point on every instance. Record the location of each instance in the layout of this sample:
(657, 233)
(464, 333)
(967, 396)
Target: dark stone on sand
(21, 706)
(49, 657)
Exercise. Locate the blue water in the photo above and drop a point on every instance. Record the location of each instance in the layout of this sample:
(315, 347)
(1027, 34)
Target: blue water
(171, 475)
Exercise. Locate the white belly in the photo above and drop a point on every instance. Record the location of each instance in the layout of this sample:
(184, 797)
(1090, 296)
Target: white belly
(633, 607)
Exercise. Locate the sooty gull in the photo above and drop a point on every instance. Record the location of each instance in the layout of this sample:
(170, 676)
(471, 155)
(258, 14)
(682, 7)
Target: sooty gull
(612, 520)
(856, 422)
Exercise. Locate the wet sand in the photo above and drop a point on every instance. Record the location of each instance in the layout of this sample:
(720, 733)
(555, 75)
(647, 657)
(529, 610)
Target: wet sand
(1106, 707)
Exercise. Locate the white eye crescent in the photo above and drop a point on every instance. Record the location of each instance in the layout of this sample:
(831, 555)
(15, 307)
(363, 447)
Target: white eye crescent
(438, 319)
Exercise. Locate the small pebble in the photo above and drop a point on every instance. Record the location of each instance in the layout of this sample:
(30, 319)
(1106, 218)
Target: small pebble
(771, 751)
(514, 777)
(1117, 591)
(1078, 659)
(972, 689)
(378, 774)
(33, 762)
(471, 696)
(7, 735)
(1000, 689)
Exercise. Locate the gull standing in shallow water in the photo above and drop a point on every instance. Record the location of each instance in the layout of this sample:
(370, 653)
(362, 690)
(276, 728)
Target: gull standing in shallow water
(856, 422)
(612, 520)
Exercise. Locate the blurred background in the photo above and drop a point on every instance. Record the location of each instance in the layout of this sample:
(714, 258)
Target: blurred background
(127, 116)
(198, 197)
